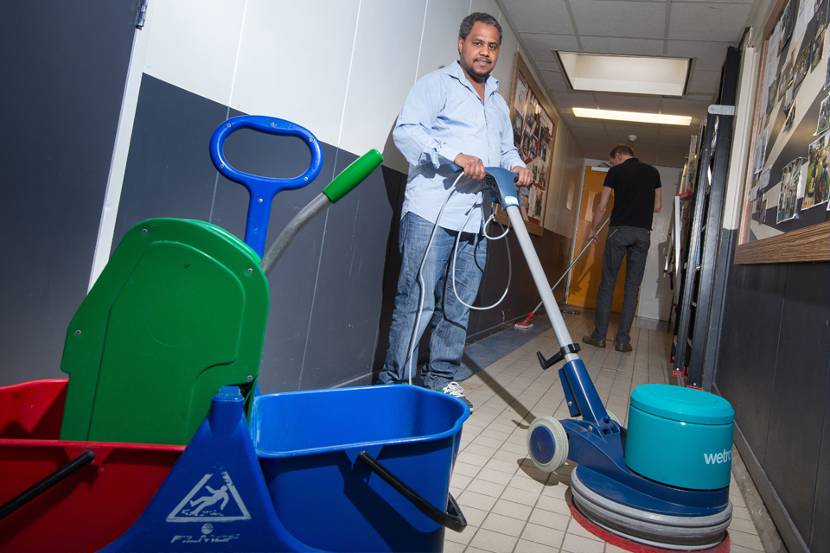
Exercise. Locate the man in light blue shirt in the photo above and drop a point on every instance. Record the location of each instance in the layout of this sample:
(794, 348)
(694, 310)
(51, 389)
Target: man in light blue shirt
(454, 115)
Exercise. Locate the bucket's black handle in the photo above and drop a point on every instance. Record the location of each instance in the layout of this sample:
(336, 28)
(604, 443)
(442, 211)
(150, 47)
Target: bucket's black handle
(453, 518)
(14, 504)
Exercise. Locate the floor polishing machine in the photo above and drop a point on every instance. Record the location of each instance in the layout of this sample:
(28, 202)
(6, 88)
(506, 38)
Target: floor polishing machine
(664, 480)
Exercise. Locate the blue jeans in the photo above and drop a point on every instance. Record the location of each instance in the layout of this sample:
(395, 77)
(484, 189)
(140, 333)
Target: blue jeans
(446, 316)
(631, 243)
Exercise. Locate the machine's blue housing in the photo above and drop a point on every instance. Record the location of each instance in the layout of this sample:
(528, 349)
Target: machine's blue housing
(596, 444)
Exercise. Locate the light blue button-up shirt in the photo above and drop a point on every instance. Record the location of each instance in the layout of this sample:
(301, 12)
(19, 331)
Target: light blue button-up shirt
(443, 116)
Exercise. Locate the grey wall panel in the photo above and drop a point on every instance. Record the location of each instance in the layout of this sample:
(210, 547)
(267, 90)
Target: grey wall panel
(395, 185)
(292, 280)
(347, 306)
(749, 347)
(65, 69)
(797, 412)
(820, 537)
(169, 172)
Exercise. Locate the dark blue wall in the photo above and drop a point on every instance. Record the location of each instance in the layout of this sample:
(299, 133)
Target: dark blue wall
(774, 366)
(64, 69)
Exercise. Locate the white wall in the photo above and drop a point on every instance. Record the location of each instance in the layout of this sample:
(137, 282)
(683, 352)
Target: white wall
(344, 76)
(341, 68)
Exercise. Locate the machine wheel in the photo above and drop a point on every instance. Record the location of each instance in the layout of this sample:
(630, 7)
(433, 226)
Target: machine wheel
(547, 443)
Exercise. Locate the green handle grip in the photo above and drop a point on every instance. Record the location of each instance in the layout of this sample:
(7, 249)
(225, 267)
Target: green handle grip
(352, 175)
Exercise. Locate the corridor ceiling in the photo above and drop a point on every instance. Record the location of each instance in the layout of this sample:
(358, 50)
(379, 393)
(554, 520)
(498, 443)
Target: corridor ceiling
(700, 30)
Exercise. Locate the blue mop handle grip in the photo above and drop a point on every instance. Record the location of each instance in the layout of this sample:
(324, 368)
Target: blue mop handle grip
(263, 189)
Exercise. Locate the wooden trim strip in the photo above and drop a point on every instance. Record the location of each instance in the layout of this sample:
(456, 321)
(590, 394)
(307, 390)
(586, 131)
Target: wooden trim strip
(808, 244)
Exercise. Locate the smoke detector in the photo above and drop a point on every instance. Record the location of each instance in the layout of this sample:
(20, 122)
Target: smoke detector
(632, 137)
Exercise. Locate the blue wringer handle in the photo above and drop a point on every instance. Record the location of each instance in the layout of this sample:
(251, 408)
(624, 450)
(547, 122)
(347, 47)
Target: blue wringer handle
(263, 189)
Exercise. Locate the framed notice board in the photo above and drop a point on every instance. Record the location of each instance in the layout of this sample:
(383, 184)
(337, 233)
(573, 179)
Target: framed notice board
(786, 212)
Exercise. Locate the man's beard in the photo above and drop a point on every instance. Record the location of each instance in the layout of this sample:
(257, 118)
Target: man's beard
(477, 77)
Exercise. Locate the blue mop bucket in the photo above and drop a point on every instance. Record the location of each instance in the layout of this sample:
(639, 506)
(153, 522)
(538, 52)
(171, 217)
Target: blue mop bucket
(361, 469)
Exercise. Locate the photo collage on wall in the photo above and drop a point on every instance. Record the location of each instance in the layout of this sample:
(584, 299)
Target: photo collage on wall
(793, 95)
(533, 132)
(788, 195)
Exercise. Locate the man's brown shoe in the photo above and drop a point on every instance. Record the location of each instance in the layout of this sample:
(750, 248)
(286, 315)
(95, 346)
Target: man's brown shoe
(591, 341)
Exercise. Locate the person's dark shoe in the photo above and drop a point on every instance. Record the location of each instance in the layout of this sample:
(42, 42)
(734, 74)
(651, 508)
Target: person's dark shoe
(624, 347)
(455, 390)
(591, 341)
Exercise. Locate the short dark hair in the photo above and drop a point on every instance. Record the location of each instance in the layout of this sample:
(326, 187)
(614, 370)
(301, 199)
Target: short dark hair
(621, 149)
(468, 22)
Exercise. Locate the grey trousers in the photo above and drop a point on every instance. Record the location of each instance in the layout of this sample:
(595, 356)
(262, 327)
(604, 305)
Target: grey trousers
(631, 243)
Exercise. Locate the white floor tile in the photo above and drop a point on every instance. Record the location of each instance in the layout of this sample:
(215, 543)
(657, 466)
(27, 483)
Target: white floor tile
(504, 524)
(494, 542)
(544, 535)
(578, 544)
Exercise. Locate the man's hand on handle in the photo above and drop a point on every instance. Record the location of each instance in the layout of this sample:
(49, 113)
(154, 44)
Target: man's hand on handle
(524, 176)
(472, 166)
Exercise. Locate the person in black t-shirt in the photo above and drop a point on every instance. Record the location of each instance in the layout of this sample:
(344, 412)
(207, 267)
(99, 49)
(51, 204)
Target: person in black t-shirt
(636, 200)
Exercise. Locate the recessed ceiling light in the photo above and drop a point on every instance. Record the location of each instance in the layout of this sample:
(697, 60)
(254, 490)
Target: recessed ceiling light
(628, 74)
(634, 116)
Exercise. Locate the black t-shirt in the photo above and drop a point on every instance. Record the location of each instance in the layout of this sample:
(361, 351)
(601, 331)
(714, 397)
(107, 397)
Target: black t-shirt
(634, 184)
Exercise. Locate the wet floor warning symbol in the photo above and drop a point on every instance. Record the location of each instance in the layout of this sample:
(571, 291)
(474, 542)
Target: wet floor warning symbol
(214, 498)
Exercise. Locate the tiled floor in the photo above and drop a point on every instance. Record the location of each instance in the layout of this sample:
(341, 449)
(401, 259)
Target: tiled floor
(511, 506)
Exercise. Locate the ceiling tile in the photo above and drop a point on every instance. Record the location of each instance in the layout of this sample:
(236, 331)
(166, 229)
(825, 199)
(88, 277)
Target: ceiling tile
(670, 133)
(549, 66)
(706, 55)
(592, 136)
(684, 107)
(621, 19)
(565, 100)
(538, 16)
(619, 131)
(554, 81)
(584, 125)
(612, 45)
(541, 47)
(627, 102)
(703, 81)
(706, 97)
(708, 21)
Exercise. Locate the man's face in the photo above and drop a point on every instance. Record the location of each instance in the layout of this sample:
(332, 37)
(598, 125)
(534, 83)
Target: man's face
(479, 51)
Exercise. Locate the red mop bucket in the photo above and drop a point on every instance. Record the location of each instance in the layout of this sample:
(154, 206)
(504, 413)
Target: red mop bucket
(87, 508)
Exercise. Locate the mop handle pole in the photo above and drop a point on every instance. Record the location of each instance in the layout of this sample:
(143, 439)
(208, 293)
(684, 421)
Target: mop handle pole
(341, 185)
(538, 274)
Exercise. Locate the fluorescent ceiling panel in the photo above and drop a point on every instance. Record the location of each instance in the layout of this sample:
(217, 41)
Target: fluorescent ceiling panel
(629, 74)
(633, 116)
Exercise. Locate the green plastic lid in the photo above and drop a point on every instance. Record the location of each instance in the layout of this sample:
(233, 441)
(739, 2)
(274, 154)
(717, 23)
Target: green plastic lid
(682, 404)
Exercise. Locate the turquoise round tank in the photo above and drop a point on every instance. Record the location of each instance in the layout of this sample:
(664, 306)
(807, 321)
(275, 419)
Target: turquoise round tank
(680, 436)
